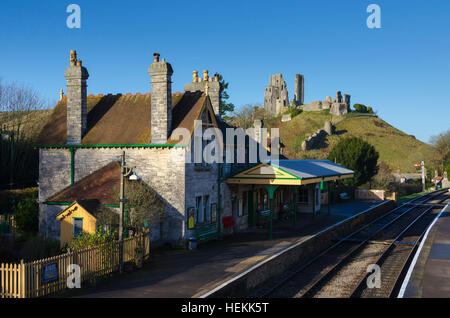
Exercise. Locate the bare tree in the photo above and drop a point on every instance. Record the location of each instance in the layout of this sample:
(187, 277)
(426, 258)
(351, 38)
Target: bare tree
(442, 144)
(246, 115)
(18, 104)
(19, 126)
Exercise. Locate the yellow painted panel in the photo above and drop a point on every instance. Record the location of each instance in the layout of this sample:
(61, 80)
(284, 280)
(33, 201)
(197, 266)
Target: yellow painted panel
(66, 222)
(265, 170)
(265, 181)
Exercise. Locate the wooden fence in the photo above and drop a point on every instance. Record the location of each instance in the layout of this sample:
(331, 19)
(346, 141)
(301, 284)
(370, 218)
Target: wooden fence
(46, 276)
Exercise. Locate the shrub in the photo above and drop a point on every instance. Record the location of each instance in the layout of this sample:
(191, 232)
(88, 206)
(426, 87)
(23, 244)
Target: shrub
(38, 247)
(360, 108)
(10, 198)
(144, 205)
(87, 240)
(357, 155)
(26, 216)
(383, 180)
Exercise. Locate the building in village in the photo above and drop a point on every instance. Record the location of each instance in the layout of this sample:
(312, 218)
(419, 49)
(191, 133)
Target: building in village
(81, 146)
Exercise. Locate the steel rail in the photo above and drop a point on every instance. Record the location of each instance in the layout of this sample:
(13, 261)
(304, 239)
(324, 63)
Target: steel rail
(426, 197)
(361, 284)
(399, 280)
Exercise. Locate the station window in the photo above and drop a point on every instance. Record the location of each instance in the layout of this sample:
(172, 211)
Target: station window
(302, 195)
(77, 227)
(202, 210)
(206, 208)
(198, 210)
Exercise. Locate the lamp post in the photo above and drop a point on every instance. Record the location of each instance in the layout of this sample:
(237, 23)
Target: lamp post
(125, 171)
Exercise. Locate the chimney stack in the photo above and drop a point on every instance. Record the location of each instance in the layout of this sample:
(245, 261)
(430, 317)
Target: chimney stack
(76, 76)
(199, 84)
(161, 113)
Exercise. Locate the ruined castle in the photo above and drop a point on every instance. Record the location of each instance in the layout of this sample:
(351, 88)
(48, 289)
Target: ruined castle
(276, 98)
(276, 94)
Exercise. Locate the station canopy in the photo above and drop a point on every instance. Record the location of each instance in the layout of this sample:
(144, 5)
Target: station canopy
(291, 172)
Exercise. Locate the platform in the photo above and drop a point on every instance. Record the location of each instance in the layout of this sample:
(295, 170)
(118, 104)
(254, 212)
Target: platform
(429, 273)
(181, 273)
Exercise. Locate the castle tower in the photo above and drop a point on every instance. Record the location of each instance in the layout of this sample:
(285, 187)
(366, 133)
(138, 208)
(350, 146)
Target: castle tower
(276, 95)
(76, 76)
(299, 89)
(161, 113)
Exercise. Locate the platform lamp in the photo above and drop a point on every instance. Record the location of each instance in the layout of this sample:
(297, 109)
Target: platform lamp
(125, 172)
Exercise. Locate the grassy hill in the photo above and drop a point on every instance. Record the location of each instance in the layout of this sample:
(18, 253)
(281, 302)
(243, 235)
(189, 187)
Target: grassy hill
(395, 147)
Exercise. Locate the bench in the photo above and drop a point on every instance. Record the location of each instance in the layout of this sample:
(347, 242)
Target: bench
(206, 232)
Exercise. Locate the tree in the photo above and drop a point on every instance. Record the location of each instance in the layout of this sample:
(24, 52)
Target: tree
(144, 205)
(384, 178)
(246, 115)
(360, 108)
(26, 216)
(442, 144)
(358, 155)
(19, 125)
(225, 106)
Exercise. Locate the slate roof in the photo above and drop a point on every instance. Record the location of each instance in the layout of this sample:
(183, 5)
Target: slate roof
(313, 168)
(102, 185)
(121, 119)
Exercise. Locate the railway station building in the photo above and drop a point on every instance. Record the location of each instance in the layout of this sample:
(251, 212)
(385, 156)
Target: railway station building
(81, 146)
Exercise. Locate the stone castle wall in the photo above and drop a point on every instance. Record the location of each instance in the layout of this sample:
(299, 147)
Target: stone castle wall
(276, 95)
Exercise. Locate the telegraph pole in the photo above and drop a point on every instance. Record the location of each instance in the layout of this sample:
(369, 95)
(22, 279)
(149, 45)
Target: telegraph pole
(423, 176)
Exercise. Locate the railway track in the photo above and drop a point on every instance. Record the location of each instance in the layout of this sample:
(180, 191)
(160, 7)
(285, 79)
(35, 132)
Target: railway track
(341, 270)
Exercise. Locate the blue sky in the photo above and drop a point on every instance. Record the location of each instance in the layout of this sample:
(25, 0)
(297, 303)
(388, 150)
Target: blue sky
(401, 70)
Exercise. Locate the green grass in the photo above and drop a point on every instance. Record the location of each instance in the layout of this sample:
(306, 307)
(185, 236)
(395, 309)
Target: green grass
(410, 197)
(397, 149)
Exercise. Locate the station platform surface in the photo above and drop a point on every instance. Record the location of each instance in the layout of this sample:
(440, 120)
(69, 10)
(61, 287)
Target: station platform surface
(182, 273)
(430, 275)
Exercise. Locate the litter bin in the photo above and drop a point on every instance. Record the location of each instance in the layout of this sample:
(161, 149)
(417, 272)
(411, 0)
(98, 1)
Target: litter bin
(192, 243)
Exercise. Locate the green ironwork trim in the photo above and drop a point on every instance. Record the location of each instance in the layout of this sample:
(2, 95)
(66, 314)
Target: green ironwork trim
(70, 203)
(110, 146)
(57, 203)
(278, 167)
(72, 165)
(219, 197)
